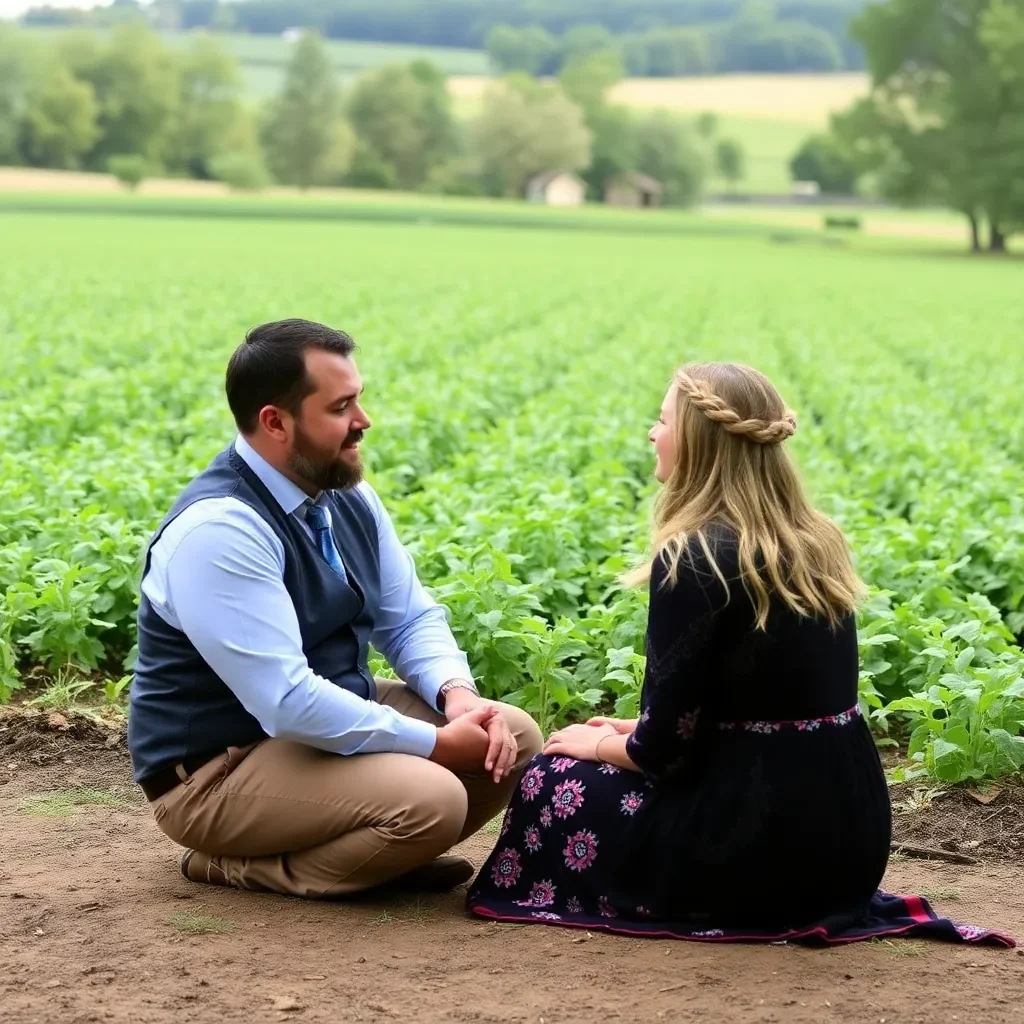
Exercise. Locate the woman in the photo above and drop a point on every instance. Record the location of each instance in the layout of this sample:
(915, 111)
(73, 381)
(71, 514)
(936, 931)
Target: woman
(748, 800)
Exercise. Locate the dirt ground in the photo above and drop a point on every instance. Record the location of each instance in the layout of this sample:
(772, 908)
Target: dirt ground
(98, 925)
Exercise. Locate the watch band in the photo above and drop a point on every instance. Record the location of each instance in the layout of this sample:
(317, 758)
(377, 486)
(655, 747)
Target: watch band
(454, 684)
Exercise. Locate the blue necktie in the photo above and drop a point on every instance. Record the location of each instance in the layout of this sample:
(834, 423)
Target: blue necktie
(316, 516)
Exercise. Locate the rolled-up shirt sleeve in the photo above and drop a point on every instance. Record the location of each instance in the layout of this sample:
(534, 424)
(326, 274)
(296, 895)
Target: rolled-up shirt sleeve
(225, 583)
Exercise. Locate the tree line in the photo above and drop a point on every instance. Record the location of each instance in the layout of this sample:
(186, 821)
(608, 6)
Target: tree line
(944, 122)
(125, 102)
(654, 37)
(754, 40)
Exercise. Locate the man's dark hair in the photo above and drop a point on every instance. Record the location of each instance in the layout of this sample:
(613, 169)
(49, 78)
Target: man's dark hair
(269, 367)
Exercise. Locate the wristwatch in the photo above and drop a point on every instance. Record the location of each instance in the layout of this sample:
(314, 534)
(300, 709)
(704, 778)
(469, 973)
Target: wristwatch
(454, 684)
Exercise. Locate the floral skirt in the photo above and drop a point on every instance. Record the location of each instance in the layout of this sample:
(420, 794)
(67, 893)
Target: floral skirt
(563, 844)
(556, 839)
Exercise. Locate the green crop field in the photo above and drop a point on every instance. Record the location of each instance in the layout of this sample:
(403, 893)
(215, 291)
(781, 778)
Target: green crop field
(512, 374)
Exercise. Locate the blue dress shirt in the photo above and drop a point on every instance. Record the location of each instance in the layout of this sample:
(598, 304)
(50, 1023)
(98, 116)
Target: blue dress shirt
(217, 574)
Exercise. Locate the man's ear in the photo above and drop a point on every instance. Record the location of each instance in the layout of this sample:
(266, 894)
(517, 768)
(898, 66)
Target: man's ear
(275, 423)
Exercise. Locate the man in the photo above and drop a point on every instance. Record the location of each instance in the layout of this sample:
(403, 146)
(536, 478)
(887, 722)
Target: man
(256, 729)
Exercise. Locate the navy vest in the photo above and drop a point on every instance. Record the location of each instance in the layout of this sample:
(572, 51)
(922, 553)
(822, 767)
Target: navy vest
(178, 707)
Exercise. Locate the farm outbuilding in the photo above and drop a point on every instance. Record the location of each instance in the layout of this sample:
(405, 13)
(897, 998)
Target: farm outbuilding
(557, 188)
(633, 189)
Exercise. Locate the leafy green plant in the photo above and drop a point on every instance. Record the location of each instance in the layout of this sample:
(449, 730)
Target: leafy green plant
(113, 690)
(625, 677)
(510, 437)
(549, 692)
(10, 679)
(966, 722)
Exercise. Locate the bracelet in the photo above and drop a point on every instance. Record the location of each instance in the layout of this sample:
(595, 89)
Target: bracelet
(597, 749)
(454, 684)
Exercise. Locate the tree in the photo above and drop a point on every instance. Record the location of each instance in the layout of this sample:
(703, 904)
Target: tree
(117, 13)
(529, 49)
(129, 168)
(210, 116)
(706, 125)
(580, 41)
(613, 149)
(756, 40)
(586, 81)
(730, 161)
(300, 129)
(402, 113)
(944, 121)
(823, 159)
(525, 129)
(340, 154)
(666, 52)
(667, 153)
(14, 65)
(134, 77)
(59, 122)
(240, 171)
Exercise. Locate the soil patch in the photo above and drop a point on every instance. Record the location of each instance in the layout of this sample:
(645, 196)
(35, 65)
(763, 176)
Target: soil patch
(986, 823)
(98, 925)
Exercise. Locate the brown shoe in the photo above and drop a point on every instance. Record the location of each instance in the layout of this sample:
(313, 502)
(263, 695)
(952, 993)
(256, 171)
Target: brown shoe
(199, 867)
(439, 875)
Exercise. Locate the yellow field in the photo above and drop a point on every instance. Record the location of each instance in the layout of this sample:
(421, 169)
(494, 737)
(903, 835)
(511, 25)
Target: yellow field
(804, 99)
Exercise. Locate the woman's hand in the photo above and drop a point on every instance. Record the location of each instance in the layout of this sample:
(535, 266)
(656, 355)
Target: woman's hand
(578, 741)
(623, 726)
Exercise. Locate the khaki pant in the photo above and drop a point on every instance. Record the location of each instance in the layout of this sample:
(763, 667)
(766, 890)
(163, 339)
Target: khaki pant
(284, 817)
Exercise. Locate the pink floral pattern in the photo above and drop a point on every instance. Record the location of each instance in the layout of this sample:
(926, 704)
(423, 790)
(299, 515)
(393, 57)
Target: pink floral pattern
(580, 850)
(562, 764)
(568, 798)
(507, 869)
(541, 895)
(532, 783)
(799, 724)
(609, 769)
(686, 727)
(549, 870)
(631, 803)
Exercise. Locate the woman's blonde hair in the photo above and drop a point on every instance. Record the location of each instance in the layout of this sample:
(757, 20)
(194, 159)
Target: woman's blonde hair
(731, 470)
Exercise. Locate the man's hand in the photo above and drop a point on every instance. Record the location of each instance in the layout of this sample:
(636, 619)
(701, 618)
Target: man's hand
(502, 749)
(462, 745)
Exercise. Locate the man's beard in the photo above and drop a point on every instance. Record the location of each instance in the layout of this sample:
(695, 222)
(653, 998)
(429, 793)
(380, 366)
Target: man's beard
(323, 468)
